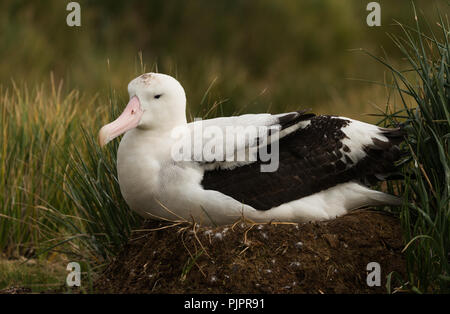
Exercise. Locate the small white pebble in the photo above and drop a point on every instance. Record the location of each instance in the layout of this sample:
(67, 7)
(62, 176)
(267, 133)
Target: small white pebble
(260, 227)
(267, 271)
(299, 245)
(218, 236)
(213, 279)
(208, 232)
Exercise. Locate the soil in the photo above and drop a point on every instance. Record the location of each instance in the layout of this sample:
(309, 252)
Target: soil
(321, 257)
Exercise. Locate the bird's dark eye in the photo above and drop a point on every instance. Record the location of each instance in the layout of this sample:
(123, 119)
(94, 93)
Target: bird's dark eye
(157, 96)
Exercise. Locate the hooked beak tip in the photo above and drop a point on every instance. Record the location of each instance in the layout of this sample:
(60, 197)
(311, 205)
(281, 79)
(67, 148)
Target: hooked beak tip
(102, 138)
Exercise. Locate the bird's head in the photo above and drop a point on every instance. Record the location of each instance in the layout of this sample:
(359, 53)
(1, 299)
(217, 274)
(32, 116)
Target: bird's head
(157, 102)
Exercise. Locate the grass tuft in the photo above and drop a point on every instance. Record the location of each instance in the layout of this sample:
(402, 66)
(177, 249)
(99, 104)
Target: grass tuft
(424, 90)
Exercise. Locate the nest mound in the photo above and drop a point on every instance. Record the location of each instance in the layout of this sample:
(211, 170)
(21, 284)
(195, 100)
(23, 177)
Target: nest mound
(321, 257)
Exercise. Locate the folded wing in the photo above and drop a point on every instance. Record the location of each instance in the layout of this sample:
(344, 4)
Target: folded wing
(315, 153)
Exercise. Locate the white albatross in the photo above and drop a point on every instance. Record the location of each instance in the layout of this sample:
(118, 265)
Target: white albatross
(323, 168)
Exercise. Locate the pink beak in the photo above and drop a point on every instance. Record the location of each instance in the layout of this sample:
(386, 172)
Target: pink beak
(128, 120)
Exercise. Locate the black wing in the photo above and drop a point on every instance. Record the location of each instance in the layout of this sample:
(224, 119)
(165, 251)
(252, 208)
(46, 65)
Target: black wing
(310, 160)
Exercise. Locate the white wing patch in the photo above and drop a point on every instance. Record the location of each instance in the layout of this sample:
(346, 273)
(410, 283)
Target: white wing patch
(358, 136)
(233, 141)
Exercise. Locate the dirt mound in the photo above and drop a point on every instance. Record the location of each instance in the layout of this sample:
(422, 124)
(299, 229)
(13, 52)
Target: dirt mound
(325, 257)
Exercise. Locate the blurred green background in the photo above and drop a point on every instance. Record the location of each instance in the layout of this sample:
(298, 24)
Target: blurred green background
(256, 55)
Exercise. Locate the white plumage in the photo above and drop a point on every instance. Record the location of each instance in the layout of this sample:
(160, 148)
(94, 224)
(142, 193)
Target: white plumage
(157, 185)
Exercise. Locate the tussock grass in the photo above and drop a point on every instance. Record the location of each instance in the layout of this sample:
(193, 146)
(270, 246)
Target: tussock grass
(424, 90)
(59, 191)
(101, 218)
(33, 123)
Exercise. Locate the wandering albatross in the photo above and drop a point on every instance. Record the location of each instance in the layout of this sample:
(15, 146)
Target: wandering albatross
(324, 164)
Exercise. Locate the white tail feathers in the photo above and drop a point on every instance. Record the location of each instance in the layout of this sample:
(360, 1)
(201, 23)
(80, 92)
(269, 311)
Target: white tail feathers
(380, 198)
